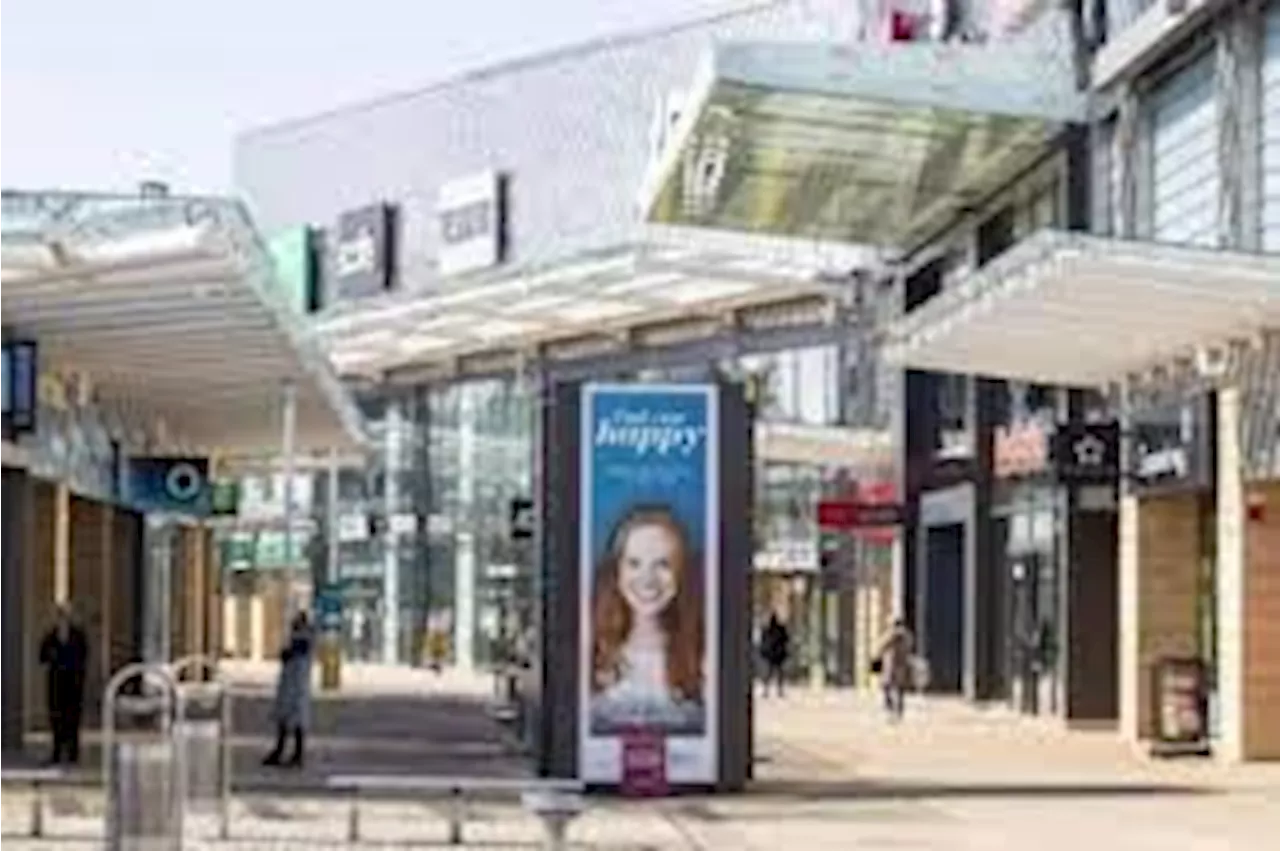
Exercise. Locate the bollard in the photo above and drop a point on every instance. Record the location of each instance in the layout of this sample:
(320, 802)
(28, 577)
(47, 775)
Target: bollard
(37, 810)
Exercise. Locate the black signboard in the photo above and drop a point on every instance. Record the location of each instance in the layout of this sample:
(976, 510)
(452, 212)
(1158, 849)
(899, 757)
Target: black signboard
(1087, 453)
(522, 519)
(362, 251)
(1172, 447)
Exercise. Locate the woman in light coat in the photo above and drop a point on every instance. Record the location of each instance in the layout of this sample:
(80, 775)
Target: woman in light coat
(292, 710)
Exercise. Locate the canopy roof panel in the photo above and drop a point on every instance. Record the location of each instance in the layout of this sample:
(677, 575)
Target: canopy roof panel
(170, 306)
(1075, 309)
(590, 299)
(867, 143)
(862, 450)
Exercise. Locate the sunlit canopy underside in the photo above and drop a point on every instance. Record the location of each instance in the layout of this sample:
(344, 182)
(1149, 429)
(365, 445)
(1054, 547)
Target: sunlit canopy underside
(1074, 309)
(171, 309)
(588, 299)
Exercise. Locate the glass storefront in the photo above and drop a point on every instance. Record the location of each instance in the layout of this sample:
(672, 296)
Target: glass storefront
(464, 451)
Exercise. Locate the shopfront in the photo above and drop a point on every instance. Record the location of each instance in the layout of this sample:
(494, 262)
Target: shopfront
(1172, 479)
(1026, 512)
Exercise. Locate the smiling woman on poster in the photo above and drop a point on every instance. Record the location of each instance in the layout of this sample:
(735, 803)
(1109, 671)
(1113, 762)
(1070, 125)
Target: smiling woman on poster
(647, 628)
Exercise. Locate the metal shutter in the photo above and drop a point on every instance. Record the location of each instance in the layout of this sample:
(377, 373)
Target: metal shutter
(1184, 159)
(1271, 131)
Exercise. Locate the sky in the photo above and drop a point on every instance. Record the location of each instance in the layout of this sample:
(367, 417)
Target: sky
(102, 95)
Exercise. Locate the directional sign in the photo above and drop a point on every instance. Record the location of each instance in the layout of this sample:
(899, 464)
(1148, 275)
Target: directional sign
(523, 520)
(329, 608)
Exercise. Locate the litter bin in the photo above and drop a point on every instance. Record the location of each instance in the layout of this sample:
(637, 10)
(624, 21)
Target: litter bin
(141, 766)
(202, 732)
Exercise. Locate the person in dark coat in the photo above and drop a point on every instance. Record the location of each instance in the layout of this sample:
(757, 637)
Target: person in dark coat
(64, 651)
(292, 710)
(894, 661)
(774, 650)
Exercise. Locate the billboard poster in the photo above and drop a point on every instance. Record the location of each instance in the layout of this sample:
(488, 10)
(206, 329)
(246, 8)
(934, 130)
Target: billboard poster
(649, 568)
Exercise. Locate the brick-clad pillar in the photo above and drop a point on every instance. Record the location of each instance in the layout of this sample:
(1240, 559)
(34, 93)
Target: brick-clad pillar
(1248, 600)
(39, 590)
(1159, 568)
(86, 586)
(1260, 712)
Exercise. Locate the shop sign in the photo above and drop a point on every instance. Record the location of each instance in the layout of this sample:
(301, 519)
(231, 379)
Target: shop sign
(855, 514)
(362, 256)
(1020, 450)
(1087, 452)
(523, 522)
(179, 485)
(472, 212)
(353, 527)
(1172, 447)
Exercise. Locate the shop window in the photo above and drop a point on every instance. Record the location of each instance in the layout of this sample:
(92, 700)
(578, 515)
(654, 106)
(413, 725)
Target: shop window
(995, 235)
(923, 284)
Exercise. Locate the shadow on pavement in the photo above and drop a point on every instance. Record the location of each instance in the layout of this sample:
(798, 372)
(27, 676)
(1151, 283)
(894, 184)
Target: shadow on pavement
(395, 733)
(872, 789)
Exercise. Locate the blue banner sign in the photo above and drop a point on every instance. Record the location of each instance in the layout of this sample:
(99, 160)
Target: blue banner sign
(177, 485)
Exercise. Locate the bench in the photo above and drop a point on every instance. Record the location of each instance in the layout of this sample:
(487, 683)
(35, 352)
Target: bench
(555, 802)
(35, 778)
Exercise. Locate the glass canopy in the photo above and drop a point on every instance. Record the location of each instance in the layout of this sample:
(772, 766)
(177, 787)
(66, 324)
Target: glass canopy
(872, 144)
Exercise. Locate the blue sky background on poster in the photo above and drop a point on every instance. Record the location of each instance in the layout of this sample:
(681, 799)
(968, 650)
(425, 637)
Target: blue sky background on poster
(663, 432)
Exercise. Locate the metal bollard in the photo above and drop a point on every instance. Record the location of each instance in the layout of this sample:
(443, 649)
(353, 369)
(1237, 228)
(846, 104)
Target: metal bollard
(456, 816)
(37, 810)
(353, 821)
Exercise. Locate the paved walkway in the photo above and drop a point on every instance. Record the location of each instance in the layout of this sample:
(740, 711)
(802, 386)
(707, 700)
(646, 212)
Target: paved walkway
(832, 773)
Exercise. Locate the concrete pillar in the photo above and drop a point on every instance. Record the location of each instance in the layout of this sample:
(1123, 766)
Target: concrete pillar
(464, 611)
(1231, 579)
(393, 461)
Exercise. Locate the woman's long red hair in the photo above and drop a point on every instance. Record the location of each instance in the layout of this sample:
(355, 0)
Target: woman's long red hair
(681, 620)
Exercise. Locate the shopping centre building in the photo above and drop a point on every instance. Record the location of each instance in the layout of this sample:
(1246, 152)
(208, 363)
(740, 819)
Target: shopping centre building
(508, 250)
(1015, 264)
(146, 343)
(1167, 297)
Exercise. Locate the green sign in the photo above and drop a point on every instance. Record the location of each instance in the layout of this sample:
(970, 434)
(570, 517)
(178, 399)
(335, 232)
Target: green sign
(224, 499)
(294, 256)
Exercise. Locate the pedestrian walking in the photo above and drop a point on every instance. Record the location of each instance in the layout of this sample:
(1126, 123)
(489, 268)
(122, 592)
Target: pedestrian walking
(775, 647)
(64, 652)
(292, 710)
(894, 663)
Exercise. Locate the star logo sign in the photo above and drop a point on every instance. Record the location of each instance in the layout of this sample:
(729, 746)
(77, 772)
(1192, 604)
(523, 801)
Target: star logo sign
(1090, 451)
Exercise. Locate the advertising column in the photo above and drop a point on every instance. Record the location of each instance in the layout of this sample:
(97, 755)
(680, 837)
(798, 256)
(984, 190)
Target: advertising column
(649, 569)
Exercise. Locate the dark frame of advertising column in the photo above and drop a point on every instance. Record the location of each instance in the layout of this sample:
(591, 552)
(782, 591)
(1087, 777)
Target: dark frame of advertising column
(559, 505)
